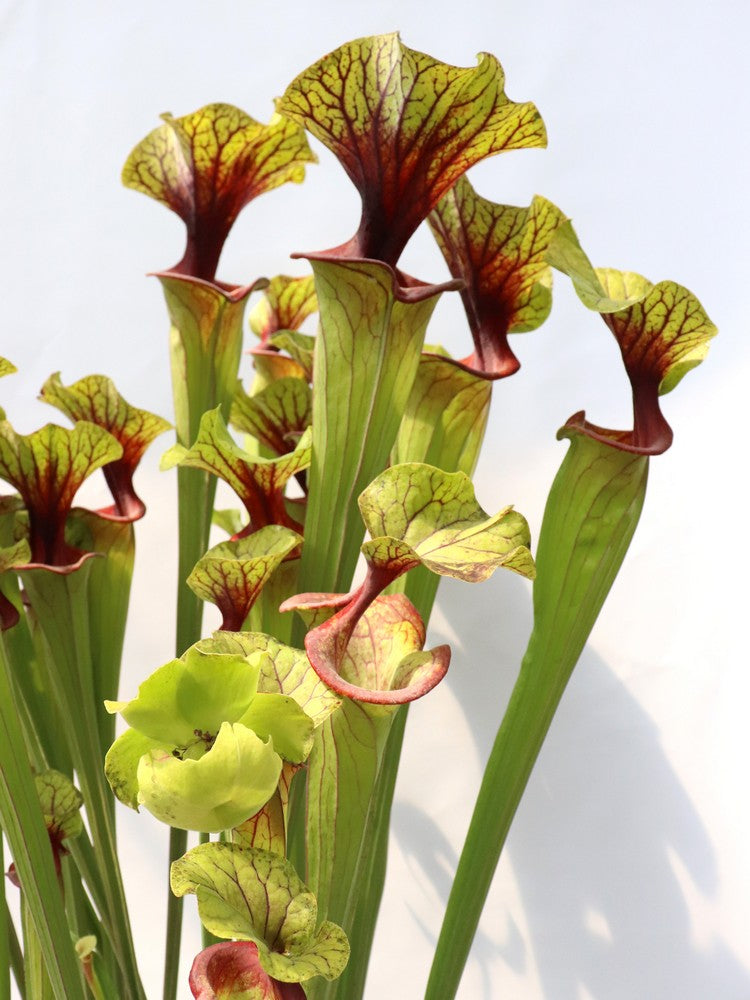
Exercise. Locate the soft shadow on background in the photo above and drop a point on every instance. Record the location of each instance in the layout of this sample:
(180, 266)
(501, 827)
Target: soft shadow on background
(601, 846)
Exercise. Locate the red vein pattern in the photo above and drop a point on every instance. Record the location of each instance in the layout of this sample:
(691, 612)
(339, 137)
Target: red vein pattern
(47, 468)
(94, 398)
(499, 252)
(206, 166)
(405, 127)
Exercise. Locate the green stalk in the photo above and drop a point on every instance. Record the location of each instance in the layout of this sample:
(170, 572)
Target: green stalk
(296, 847)
(342, 772)
(81, 865)
(41, 721)
(5, 931)
(73, 895)
(195, 491)
(177, 847)
(60, 605)
(109, 598)
(23, 825)
(84, 921)
(205, 347)
(35, 972)
(591, 514)
(366, 358)
(15, 956)
(195, 501)
(82, 854)
(269, 619)
(46, 749)
(82, 916)
(443, 425)
(370, 877)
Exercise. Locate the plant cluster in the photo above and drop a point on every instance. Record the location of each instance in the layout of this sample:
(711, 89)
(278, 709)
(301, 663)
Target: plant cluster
(277, 739)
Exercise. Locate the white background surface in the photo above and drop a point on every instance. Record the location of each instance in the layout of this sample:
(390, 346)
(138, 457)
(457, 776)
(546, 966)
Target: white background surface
(627, 873)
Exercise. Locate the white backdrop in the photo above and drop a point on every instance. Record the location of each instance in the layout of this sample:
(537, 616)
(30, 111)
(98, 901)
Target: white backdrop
(626, 873)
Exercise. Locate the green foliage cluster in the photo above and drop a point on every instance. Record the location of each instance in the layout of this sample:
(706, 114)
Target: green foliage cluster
(277, 739)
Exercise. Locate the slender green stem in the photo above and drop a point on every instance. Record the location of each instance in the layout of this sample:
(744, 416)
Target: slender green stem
(513, 755)
(295, 833)
(39, 753)
(15, 956)
(109, 598)
(265, 615)
(60, 605)
(82, 916)
(22, 822)
(195, 493)
(40, 716)
(194, 388)
(177, 847)
(82, 854)
(342, 774)
(35, 970)
(366, 358)
(73, 894)
(362, 917)
(591, 514)
(205, 350)
(421, 587)
(84, 864)
(195, 502)
(448, 451)
(5, 929)
(84, 919)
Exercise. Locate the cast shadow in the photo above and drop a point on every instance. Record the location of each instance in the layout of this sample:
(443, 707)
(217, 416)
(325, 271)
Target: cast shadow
(602, 841)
